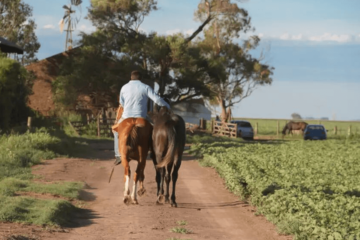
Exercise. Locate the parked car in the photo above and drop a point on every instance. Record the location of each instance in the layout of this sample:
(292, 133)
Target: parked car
(245, 130)
(315, 132)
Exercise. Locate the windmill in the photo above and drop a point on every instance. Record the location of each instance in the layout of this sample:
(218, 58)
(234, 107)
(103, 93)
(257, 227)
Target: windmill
(71, 20)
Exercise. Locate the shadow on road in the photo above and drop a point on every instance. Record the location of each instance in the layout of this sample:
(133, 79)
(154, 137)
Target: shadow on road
(200, 206)
(82, 218)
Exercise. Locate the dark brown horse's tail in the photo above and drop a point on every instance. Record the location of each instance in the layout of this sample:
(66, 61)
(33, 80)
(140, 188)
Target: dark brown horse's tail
(171, 147)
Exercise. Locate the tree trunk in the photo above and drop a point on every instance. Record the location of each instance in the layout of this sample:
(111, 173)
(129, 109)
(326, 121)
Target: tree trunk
(225, 111)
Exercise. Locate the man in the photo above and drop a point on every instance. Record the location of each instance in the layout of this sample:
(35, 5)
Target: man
(134, 97)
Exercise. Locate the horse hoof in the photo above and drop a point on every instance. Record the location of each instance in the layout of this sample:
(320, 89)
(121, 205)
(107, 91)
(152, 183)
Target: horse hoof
(173, 203)
(161, 199)
(141, 192)
(167, 200)
(127, 200)
(135, 202)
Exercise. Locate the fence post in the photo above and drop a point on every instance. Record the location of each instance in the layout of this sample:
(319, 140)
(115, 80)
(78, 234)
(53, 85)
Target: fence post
(88, 118)
(278, 128)
(212, 126)
(29, 122)
(256, 128)
(202, 124)
(237, 132)
(349, 130)
(335, 130)
(98, 125)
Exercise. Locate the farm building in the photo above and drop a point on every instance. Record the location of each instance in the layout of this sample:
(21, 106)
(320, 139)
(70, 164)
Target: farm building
(46, 71)
(192, 110)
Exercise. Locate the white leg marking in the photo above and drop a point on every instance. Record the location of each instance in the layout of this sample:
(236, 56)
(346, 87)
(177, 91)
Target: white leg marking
(133, 196)
(126, 192)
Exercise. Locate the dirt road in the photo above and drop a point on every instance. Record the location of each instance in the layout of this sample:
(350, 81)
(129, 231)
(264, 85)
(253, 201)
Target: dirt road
(210, 211)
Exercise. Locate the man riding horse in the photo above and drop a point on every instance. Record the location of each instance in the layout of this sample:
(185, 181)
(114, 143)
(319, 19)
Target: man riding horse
(132, 131)
(133, 98)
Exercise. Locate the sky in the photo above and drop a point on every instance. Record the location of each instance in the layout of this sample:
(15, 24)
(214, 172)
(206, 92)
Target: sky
(314, 47)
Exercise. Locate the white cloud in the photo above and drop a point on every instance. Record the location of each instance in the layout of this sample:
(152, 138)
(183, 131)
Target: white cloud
(85, 28)
(261, 35)
(331, 37)
(297, 37)
(189, 31)
(173, 31)
(285, 36)
(177, 30)
(326, 37)
(49, 26)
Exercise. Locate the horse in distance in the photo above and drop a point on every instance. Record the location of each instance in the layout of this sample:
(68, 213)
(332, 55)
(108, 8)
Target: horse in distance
(169, 135)
(290, 126)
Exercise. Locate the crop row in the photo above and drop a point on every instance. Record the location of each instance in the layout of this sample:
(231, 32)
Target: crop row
(308, 189)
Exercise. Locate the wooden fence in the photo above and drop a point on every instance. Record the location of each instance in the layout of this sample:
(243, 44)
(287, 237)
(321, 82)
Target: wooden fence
(224, 129)
(103, 126)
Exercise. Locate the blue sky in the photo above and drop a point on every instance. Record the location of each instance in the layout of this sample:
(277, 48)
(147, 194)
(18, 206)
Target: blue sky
(313, 45)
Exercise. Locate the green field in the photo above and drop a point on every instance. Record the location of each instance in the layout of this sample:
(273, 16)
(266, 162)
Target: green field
(269, 126)
(309, 189)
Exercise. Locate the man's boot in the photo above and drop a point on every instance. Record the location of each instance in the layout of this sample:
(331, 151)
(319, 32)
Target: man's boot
(117, 160)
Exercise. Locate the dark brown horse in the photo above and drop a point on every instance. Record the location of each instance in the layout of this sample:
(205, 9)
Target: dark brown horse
(294, 126)
(134, 144)
(168, 138)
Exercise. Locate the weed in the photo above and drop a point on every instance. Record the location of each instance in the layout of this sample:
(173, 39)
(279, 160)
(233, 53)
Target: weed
(180, 230)
(182, 223)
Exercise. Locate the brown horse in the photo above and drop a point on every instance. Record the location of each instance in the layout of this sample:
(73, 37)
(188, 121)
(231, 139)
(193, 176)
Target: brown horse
(294, 126)
(168, 138)
(134, 144)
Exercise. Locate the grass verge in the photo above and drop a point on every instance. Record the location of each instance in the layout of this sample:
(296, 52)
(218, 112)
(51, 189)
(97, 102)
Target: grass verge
(18, 152)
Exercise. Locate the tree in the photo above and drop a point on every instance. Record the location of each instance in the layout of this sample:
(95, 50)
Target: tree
(89, 71)
(106, 57)
(233, 74)
(16, 25)
(15, 87)
(170, 61)
(296, 116)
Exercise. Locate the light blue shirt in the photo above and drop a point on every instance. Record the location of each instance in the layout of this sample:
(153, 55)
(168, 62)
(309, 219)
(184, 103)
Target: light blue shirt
(134, 96)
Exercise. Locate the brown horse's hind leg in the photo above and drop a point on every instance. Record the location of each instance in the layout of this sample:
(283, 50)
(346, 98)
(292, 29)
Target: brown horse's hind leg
(161, 197)
(127, 175)
(167, 181)
(174, 179)
(133, 195)
(142, 189)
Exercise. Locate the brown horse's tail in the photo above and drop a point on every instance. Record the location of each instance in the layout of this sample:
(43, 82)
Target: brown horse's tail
(171, 147)
(130, 133)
